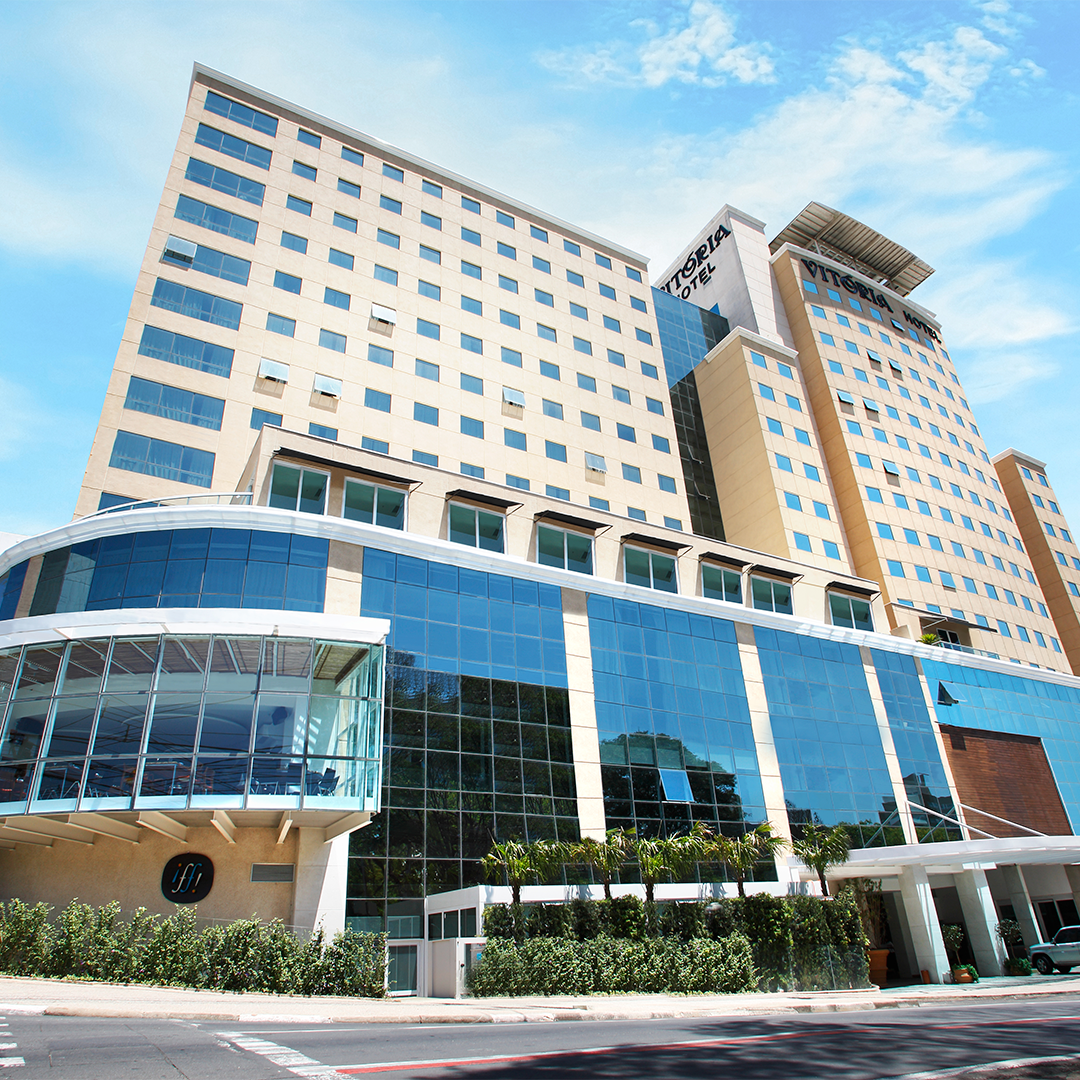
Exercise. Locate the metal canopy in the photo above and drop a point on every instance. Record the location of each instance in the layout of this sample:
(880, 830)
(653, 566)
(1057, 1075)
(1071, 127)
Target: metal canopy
(827, 231)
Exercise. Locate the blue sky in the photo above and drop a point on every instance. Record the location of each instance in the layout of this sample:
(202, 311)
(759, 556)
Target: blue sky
(944, 125)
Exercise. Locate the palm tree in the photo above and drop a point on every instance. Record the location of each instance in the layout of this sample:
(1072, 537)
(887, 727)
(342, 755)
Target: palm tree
(821, 849)
(519, 862)
(742, 853)
(659, 857)
(605, 857)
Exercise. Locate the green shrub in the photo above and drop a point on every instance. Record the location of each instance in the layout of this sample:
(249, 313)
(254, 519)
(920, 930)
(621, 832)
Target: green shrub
(95, 943)
(1017, 965)
(605, 965)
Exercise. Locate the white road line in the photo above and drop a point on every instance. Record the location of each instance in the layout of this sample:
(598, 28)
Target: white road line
(284, 1056)
(9, 1046)
(6, 1063)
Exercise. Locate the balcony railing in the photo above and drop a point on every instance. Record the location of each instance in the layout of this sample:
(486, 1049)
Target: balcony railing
(220, 498)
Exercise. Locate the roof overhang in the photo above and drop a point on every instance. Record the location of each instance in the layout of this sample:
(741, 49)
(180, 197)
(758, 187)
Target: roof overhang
(841, 237)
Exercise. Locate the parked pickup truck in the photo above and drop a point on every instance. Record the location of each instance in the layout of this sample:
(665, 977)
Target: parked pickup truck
(1062, 953)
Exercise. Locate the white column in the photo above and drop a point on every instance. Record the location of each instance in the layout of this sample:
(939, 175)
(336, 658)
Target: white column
(1020, 899)
(922, 920)
(980, 918)
(322, 869)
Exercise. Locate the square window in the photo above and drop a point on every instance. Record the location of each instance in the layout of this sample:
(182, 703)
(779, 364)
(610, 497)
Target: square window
(426, 370)
(388, 238)
(775, 426)
(511, 356)
(384, 273)
(506, 250)
(329, 340)
(426, 288)
(425, 414)
(822, 511)
(555, 451)
(545, 332)
(643, 335)
(802, 436)
(508, 318)
(792, 500)
(336, 299)
(590, 420)
(377, 445)
(602, 260)
(632, 274)
(667, 483)
(811, 471)
(636, 304)
(472, 428)
(626, 433)
(550, 370)
(586, 382)
(620, 394)
(378, 355)
(608, 292)
(649, 371)
(631, 473)
(583, 346)
(472, 344)
(376, 399)
(541, 264)
(552, 409)
(344, 260)
(538, 234)
(514, 439)
(429, 329)
(472, 384)
(802, 542)
(616, 358)
(783, 463)
(661, 444)
(504, 219)
(294, 242)
(610, 323)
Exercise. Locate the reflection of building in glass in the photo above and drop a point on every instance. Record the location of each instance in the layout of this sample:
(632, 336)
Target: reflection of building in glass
(417, 519)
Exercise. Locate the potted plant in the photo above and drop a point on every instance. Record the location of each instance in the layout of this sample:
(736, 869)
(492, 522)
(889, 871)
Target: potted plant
(1013, 940)
(953, 936)
(871, 903)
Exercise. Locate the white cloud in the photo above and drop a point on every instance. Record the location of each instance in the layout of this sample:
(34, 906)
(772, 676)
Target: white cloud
(698, 47)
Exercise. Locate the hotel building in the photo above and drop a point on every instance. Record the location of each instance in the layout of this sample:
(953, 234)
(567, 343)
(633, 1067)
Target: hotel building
(417, 518)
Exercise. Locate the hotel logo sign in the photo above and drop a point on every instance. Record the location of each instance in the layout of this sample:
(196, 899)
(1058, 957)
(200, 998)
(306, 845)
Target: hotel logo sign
(697, 269)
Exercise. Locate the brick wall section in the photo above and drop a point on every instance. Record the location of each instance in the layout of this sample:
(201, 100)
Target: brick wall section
(1006, 775)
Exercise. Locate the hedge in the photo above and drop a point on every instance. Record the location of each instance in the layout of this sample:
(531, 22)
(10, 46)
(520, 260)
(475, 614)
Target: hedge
(605, 965)
(794, 942)
(249, 954)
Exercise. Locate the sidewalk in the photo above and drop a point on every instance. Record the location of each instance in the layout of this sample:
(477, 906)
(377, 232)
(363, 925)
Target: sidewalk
(61, 998)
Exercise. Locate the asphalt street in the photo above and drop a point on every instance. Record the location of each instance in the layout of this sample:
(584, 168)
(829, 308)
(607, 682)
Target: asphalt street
(852, 1046)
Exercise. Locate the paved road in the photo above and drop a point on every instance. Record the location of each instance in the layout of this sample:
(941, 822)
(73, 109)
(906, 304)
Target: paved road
(855, 1046)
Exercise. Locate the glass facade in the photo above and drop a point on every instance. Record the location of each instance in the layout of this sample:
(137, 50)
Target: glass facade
(179, 722)
(477, 732)
(916, 747)
(832, 763)
(670, 698)
(687, 333)
(214, 568)
(996, 701)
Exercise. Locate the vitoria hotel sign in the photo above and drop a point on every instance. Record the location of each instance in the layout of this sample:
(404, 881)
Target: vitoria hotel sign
(697, 269)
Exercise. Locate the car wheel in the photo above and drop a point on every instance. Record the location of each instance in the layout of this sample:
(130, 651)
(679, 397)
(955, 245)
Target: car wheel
(1064, 968)
(1043, 965)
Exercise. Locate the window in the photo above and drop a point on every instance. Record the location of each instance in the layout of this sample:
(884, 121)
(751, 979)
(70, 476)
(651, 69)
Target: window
(472, 470)
(393, 172)
(564, 549)
(308, 172)
(472, 344)
(224, 222)
(586, 382)
(783, 463)
(322, 431)
(793, 403)
(278, 324)
(545, 332)
(626, 433)
(598, 504)
(168, 460)
(425, 414)
(233, 147)
(186, 351)
(218, 179)
(475, 528)
(427, 329)
(426, 288)
(426, 370)
(388, 238)
(470, 236)
(260, 418)
(619, 393)
(896, 569)
(821, 511)
(608, 292)
(336, 299)
(508, 318)
(352, 156)
(514, 439)
(649, 569)
(667, 483)
(341, 258)
(850, 611)
(792, 500)
(423, 458)
(300, 206)
(775, 426)
(430, 220)
(590, 420)
(511, 356)
(240, 114)
(643, 335)
(766, 392)
(544, 298)
(197, 305)
(376, 399)
(378, 355)
(552, 409)
(538, 234)
(541, 264)
(555, 451)
(811, 471)
(378, 446)
(506, 250)
(649, 371)
(549, 370)
(583, 346)
(471, 427)
(610, 323)
(595, 462)
(770, 595)
(293, 488)
(631, 473)
(173, 403)
(802, 541)
(329, 340)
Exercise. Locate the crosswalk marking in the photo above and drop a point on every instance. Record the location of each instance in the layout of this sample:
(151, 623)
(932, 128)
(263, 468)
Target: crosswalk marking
(287, 1058)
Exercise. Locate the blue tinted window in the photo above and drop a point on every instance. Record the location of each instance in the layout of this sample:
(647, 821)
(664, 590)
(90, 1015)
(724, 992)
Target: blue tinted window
(393, 172)
(427, 329)
(308, 172)
(240, 114)
(511, 356)
(309, 138)
(384, 273)
(425, 414)
(298, 205)
(322, 431)
(379, 355)
(341, 221)
(353, 156)
(294, 242)
(261, 417)
(174, 403)
(545, 332)
(515, 439)
(590, 421)
(219, 221)
(385, 202)
(471, 344)
(168, 460)
(186, 351)
(541, 264)
(278, 324)
(287, 282)
(197, 305)
(330, 340)
(233, 147)
(470, 236)
(222, 180)
(376, 399)
(388, 238)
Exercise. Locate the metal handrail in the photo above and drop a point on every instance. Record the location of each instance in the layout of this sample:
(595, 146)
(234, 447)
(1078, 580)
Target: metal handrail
(218, 498)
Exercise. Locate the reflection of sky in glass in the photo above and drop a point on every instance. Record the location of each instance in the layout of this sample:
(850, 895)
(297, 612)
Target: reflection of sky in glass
(916, 747)
(669, 695)
(831, 760)
(997, 701)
